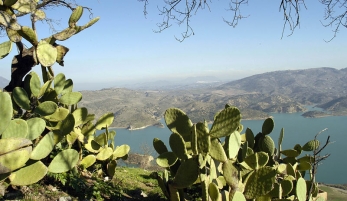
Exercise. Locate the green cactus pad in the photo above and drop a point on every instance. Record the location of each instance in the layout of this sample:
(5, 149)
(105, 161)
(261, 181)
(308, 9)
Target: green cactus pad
(71, 98)
(29, 35)
(7, 21)
(260, 182)
(257, 160)
(13, 160)
(203, 139)
(290, 160)
(89, 24)
(178, 146)
(290, 153)
(68, 86)
(121, 151)
(43, 148)
(92, 146)
(35, 84)
(16, 128)
(105, 153)
(65, 34)
(301, 189)
(45, 88)
(233, 143)
(226, 122)
(290, 170)
(237, 196)
(214, 192)
(46, 53)
(28, 175)
(101, 139)
(111, 168)
(21, 98)
(9, 3)
(12, 144)
(231, 173)
(166, 159)
(187, 173)
(59, 83)
(64, 161)
(281, 168)
(46, 108)
(13, 36)
(5, 49)
(59, 115)
(308, 159)
(159, 146)
(75, 16)
(80, 115)
(71, 137)
(268, 126)
(178, 122)
(303, 166)
(250, 137)
(67, 124)
(39, 15)
(217, 151)
(25, 6)
(311, 145)
(6, 110)
(287, 187)
(268, 145)
(104, 121)
(88, 128)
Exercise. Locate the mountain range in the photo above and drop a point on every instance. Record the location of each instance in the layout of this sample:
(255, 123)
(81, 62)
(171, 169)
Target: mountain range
(256, 96)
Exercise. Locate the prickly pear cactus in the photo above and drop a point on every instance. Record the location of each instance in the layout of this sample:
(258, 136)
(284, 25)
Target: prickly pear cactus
(241, 166)
(42, 129)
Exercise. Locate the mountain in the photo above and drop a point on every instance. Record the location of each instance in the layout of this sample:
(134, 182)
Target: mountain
(309, 86)
(256, 96)
(3, 82)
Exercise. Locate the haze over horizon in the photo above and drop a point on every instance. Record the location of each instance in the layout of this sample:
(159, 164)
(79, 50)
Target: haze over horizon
(122, 47)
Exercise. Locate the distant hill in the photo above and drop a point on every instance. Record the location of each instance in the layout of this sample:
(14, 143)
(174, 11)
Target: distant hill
(3, 82)
(256, 96)
(316, 85)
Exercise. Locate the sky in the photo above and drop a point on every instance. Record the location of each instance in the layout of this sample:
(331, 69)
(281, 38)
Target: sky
(123, 46)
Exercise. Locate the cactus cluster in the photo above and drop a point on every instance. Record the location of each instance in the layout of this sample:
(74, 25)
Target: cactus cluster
(42, 129)
(231, 165)
(38, 119)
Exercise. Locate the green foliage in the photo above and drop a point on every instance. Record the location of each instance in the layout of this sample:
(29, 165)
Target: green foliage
(242, 167)
(42, 129)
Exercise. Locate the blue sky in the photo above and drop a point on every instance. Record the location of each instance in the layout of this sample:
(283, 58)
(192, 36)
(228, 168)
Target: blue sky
(122, 46)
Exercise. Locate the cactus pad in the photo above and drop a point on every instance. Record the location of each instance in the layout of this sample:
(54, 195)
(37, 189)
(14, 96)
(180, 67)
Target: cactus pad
(36, 126)
(268, 126)
(301, 189)
(121, 151)
(104, 154)
(311, 145)
(178, 122)
(217, 151)
(104, 121)
(16, 128)
(43, 148)
(6, 111)
(226, 122)
(5, 49)
(29, 174)
(260, 182)
(187, 173)
(46, 53)
(64, 161)
(178, 146)
(159, 146)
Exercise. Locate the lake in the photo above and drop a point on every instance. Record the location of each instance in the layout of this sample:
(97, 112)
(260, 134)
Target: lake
(297, 130)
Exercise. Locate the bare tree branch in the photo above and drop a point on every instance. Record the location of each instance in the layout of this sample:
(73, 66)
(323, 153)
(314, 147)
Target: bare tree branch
(335, 14)
(234, 6)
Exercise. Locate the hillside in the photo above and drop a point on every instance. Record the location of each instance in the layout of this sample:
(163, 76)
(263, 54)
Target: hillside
(316, 85)
(256, 96)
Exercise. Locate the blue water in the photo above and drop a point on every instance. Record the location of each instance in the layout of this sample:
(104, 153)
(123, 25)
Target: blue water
(297, 130)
